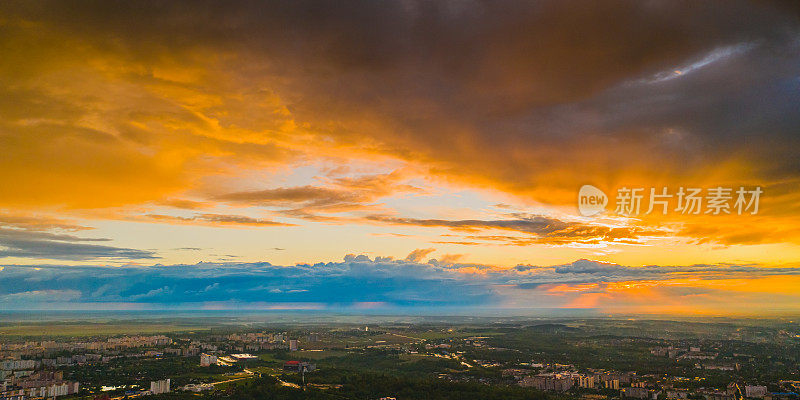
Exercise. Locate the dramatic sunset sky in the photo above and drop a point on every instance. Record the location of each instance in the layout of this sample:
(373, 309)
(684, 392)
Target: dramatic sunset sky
(396, 155)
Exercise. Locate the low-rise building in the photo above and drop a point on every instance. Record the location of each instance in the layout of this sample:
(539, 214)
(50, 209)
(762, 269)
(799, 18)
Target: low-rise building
(636, 392)
(298, 366)
(755, 391)
(207, 360)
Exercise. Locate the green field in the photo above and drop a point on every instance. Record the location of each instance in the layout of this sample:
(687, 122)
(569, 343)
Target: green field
(92, 329)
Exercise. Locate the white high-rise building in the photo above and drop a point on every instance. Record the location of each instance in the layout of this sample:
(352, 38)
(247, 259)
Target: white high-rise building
(586, 381)
(158, 387)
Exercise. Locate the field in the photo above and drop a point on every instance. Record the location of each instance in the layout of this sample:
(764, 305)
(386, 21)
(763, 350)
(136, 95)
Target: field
(93, 329)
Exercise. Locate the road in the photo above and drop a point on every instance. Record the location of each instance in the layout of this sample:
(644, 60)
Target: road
(247, 371)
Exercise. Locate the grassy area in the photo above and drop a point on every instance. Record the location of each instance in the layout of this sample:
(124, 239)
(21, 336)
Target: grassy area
(414, 357)
(317, 355)
(268, 357)
(434, 335)
(92, 329)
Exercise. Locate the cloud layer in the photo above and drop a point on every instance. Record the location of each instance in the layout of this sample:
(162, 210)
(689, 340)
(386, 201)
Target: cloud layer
(407, 284)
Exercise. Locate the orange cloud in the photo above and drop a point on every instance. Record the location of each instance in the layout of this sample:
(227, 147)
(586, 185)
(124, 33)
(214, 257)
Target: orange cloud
(113, 112)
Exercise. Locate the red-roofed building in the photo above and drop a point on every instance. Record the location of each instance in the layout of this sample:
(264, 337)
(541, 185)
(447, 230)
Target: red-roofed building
(298, 366)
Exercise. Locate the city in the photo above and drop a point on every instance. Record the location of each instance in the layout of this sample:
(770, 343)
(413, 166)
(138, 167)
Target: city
(590, 359)
(400, 199)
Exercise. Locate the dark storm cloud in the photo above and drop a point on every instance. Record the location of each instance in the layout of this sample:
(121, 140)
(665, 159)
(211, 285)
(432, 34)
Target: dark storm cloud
(607, 41)
(513, 93)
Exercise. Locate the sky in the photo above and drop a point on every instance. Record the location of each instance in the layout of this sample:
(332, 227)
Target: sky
(400, 155)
